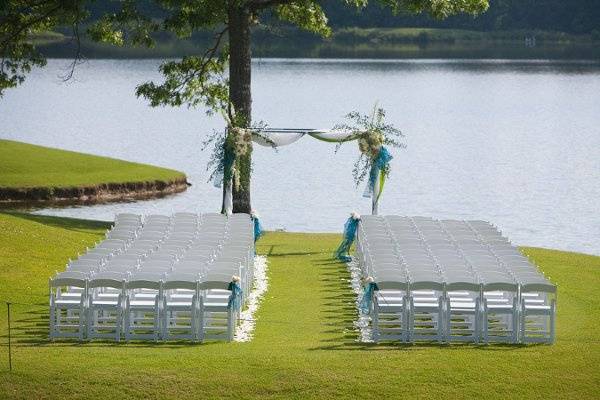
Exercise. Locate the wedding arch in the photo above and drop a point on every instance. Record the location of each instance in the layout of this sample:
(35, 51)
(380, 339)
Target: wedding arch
(370, 132)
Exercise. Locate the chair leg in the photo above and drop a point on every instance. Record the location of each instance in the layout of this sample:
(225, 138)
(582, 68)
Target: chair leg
(156, 327)
(230, 324)
(375, 322)
(90, 323)
(52, 332)
(82, 318)
(165, 316)
(201, 323)
(522, 337)
(118, 326)
(127, 324)
(440, 324)
(552, 321)
(485, 326)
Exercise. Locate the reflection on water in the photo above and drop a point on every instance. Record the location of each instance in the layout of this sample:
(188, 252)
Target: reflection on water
(513, 142)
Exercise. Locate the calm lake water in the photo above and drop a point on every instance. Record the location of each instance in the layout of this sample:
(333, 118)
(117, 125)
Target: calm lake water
(513, 142)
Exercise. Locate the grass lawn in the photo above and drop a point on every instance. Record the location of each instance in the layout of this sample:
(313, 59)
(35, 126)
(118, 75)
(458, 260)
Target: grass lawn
(304, 345)
(25, 165)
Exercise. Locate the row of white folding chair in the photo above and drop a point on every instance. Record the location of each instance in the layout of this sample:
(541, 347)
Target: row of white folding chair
(455, 313)
(499, 271)
(477, 272)
(99, 308)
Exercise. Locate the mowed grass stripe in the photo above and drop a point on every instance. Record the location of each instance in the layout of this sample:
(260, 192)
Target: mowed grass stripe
(304, 345)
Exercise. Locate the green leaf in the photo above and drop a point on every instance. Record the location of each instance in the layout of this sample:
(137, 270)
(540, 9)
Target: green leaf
(306, 14)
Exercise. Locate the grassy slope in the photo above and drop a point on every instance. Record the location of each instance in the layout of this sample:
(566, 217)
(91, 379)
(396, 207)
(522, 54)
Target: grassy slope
(27, 165)
(304, 345)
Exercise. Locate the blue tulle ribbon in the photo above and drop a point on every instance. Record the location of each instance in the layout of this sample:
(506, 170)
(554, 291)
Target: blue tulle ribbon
(343, 250)
(379, 163)
(258, 231)
(367, 298)
(235, 300)
(223, 171)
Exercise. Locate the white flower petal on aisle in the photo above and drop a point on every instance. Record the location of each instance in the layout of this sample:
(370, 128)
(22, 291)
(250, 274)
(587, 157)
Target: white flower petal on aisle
(245, 329)
(362, 323)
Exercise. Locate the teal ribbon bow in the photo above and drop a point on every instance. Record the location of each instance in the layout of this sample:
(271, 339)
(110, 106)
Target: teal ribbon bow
(343, 250)
(379, 164)
(258, 230)
(367, 298)
(235, 300)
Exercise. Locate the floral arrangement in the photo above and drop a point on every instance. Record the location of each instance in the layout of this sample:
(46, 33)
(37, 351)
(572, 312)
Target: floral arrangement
(372, 134)
(229, 148)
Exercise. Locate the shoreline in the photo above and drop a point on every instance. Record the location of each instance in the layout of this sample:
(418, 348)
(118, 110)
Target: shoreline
(94, 194)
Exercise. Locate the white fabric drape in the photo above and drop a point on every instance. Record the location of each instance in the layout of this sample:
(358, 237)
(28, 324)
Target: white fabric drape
(276, 139)
(228, 199)
(283, 137)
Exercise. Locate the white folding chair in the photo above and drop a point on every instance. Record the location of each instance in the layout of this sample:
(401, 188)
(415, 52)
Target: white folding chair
(68, 298)
(143, 302)
(105, 305)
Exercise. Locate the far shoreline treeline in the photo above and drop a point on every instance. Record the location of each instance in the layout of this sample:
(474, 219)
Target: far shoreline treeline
(357, 43)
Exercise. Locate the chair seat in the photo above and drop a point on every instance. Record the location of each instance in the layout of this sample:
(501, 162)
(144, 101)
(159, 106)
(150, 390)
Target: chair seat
(67, 301)
(140, 296)
(215, 307)
(141, 303)
(537, 308)
(390, 300)
(108, 295)
(426, 305)
(182, 304)
(183, 296)
(69, 295)
(499, 301)
(425, 299)
(499, 306)
(217, 296)
(462, 305)
(533, 301)
(105, 303)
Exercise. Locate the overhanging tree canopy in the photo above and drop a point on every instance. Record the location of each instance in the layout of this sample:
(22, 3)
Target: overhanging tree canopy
(220, 78)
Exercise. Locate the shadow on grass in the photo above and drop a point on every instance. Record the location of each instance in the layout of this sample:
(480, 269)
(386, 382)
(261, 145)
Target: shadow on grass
(383, 346)
(29, 328)
(72, 224)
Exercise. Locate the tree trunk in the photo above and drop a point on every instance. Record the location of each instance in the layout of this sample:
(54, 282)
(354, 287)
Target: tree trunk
(240, 95)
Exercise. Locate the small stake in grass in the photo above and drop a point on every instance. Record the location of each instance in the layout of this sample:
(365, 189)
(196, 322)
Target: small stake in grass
(9, 345)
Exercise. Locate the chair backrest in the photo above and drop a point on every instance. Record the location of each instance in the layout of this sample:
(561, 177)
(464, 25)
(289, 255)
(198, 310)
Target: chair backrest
(145, 280)
(179, 280)
(68, 278)
(215, 280)
(108, 279)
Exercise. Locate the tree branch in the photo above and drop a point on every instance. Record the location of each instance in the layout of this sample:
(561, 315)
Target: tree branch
(206, 58)
(77, 59)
